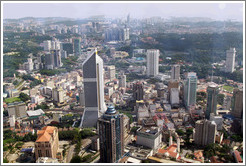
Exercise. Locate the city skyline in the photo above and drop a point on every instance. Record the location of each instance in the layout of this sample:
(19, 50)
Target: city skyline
(218, 11)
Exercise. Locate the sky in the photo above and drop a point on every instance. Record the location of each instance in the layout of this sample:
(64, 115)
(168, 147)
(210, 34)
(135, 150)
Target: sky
(219, 11)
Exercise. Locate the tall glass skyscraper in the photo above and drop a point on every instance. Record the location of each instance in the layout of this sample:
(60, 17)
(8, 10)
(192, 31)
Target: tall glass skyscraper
(93, 90)
(190, 89)
(212, 93)
(111, 136)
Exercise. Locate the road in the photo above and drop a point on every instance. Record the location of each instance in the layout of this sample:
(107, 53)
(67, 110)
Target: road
(70, 153)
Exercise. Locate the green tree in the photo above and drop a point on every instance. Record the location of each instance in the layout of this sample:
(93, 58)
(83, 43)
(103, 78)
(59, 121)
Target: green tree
(76, 159)
(220, 99)
(24, 97)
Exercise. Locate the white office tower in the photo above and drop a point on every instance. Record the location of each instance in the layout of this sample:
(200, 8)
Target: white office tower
(93, 90)
(230, 60)
(153, 62)
(47, 45)
(190, 86)
(175, 73)
(174, 97)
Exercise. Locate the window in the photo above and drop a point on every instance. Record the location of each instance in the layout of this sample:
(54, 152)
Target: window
(47, 153)
(39, 153)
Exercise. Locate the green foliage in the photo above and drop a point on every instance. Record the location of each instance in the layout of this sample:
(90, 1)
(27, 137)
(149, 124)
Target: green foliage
(237, 138)
(67, 135)
(5, 160)
(180, 132)
(87, 132)
(152, 81)
(76, 159)
(15, 82)
(42, 106)
(87, 158)
(134, 129)
(35, 83)
(228, 88)
(24, 97)
(11, 100)
(52, 72)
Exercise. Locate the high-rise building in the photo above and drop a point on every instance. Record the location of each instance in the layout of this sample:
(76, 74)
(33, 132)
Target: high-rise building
(205, 132)
(77, 46)
(174, 97)
(111, 136)
(46, 144)
(153, 62)
(237, 103)
(49, 60)
(122, 80)
(58, 95)
(111, 72)
(212, 93)
(18, 109)
(138, 91)
(68, 47)
(57, 58)
(47, 45)
(190, 86)
(93, 90)
(175, 73)
(230, 60)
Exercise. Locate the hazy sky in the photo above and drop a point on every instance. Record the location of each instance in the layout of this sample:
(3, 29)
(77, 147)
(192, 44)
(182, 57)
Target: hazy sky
(221, 10)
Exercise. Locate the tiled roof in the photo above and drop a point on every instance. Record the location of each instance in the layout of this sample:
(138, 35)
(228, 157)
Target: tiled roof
(44, 135)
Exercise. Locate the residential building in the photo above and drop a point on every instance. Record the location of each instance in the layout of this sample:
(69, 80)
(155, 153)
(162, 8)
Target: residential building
(111, 136)
(122, 80)
(153, 62)
(47, 141)
(58, 95)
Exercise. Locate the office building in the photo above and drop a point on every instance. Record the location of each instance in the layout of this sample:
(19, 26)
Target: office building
(68, 47)
(230, 60)
(212, 93)
(122, 80)
(205, 132)
(93, 83)
(237, 103)
(111, 136)
(175, 73)
(18, 109)
(49, 60)
(153, 62)
(174, 97)
(77, 46)
(57, 58)
(150, 137)
(190, 86)
(47, 141)
(138, 91)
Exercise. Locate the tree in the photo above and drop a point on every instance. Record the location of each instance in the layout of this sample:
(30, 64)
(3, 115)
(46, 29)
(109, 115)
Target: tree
(180, 132)
(24, 97)
(76, 159)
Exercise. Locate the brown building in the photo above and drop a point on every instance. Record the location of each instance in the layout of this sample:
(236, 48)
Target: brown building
(138, 91)
(46, 144)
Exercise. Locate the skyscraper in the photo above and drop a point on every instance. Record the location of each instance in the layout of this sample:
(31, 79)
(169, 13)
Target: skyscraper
(57, 58)
(93, 90)
(49, 60)
(212, 93)
(237, 103)
(153, 62)
(230, 60)
(175, 74)
(47, 45)
(122, 80)
(111, 136)
(205, 132)
(190, 89)
(76, 46)
(138, 92)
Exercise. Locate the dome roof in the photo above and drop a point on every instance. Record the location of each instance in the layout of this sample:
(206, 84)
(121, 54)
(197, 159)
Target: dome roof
(111, 110)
